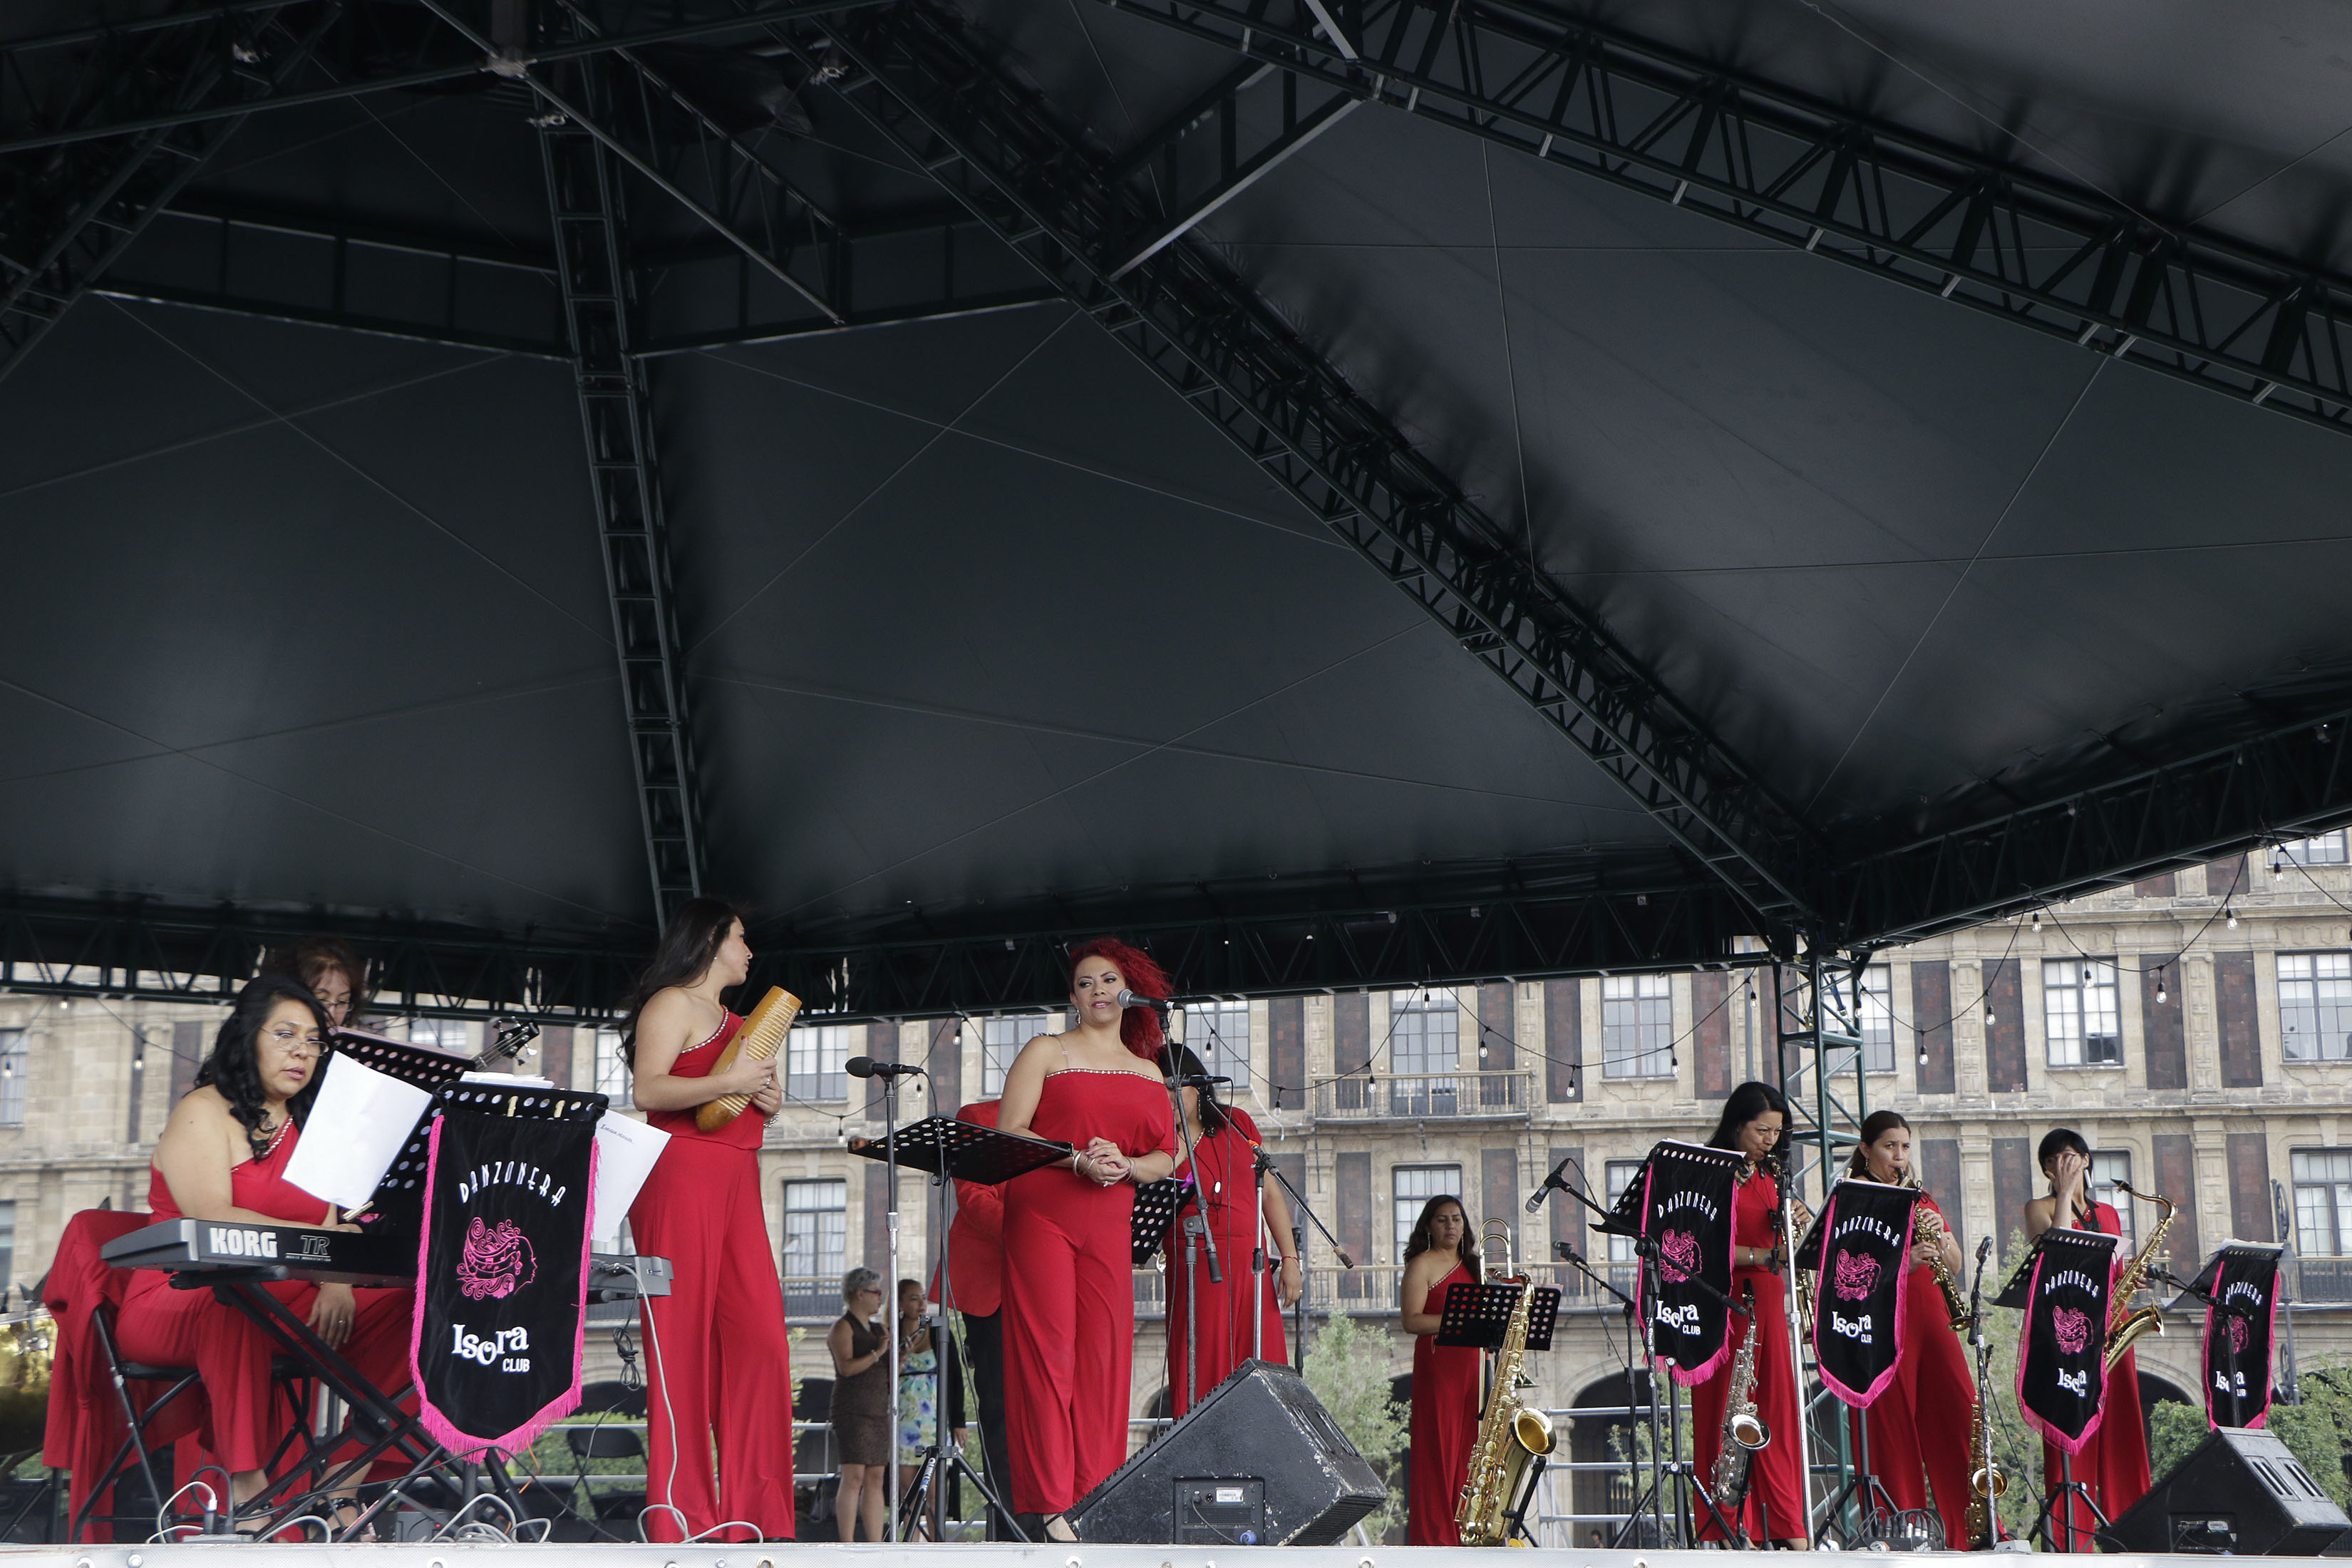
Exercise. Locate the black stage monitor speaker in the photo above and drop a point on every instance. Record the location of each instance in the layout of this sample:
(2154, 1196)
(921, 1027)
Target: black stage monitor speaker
(2239, 1491)
(1258, 1462)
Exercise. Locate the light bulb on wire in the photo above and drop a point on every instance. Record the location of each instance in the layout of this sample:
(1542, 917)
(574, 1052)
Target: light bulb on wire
(2230, 915)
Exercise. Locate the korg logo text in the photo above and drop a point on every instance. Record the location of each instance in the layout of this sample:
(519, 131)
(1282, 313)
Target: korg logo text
(230, 1242)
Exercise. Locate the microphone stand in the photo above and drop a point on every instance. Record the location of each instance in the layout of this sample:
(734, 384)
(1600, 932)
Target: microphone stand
(1297, 1207)
(1659, 1470)
(1196, 1224)
(890, 1074)
(1983, 1435)
(1632, 1460)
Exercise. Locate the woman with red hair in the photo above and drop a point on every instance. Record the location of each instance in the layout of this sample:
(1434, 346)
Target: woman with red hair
(1069, 1293)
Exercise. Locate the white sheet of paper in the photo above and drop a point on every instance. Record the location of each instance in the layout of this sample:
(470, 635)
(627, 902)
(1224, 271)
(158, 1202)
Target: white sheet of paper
(626, 1149)
(355, 1130)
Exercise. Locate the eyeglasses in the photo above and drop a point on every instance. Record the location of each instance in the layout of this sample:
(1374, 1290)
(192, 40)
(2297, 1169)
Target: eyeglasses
(293, 1039)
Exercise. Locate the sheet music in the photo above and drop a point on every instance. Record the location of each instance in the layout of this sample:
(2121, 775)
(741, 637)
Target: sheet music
(355, 1130)
(626, 1149)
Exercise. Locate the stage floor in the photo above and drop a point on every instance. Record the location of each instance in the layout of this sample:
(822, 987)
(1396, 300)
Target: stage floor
(835, 1556)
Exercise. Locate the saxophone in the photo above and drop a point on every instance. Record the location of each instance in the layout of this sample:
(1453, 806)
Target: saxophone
(1743, 1432)
(1986, 1479)
(2124, 1325)
(1931, 1230)
(1510, 1435)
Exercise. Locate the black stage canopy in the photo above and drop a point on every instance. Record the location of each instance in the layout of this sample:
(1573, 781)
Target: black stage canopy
(1353, 491)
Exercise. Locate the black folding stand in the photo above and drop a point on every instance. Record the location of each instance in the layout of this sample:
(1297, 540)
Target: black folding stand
(2015, 1294)
(955, 1151)
(1882, 1516)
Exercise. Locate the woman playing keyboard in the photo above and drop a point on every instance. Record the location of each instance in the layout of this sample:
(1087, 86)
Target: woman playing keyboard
(223, 1157)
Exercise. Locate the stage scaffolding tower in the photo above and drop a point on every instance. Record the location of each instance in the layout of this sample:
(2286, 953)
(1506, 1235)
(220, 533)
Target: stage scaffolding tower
(1818, 1013)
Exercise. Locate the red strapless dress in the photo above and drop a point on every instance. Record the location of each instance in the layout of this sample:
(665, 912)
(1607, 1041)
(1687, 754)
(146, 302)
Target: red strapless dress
(1069, 1289)
(164, 1327)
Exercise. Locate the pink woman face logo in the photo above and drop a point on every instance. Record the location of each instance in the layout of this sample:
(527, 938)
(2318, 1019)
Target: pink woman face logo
(2239, 1334)
(1856, 1275)
(2073, 1330)
(1680, 1249)
(497, 1261)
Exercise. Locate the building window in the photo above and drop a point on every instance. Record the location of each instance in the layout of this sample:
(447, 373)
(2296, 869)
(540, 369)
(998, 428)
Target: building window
(452, 1035)
(16, 1062)
(2109, 1167)
(1620, 1175)
(1219, 1034)
(817, 1232)
(1875, 1017)
(814, 1062)
(2323, 1201)
(1415, 1186)
(1637, 1026)
(2316, 1005)
(7, 1246)
(1424, 1033)
(2080, 1011)
(2328, 849)
(612, 1072)
(1001, 1040)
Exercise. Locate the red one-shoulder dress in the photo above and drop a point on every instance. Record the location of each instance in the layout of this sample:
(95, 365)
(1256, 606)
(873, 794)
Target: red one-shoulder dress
(164, 1327)
(1224, 1327)
(1069, 1289)
(715, 1351)
(1443, 1428)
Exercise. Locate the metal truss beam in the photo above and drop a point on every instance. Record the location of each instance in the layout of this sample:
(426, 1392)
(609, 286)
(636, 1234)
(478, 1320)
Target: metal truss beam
(590, 229)
(1517, 936)
(1220, 145)
(103, 948)
(999, 151)
(439, 61)
(2250, 324)
(2288, 784)
(72, 211)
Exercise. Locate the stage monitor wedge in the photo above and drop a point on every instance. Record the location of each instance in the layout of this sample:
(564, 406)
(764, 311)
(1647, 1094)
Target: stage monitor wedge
(2239, 1491)
(1258, 1462)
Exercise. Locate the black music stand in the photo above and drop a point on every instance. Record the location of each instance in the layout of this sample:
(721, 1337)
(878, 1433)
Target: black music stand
(952, 1150)
(1156, 1204)
(2015, 1294)
(1882, 1517)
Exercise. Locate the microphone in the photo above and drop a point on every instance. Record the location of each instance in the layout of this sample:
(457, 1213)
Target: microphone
(1198, 1080)
(1130, 999)
(867, 1066)
(1551, 1184)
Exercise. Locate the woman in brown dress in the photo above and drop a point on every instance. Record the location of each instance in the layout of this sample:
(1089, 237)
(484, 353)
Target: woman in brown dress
(862, 1407)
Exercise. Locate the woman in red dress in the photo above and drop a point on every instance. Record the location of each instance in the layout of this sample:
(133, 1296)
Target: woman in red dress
(1069, 1284)
(1918, 1431)
(1224, 1146)
(1438, 1254)
(223, 1157)
(1755, 1122)
(2113, 1464)
(715, 1351)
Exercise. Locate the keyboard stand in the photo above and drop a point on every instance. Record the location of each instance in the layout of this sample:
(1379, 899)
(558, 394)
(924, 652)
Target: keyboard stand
(395, 1427)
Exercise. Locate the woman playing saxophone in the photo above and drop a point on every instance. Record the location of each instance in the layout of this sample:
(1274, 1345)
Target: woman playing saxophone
(1917, 1443)
(1755, 1122)
(2114, 1463)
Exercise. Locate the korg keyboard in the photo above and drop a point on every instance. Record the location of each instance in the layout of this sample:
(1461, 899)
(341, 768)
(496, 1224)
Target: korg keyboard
(334, 1256)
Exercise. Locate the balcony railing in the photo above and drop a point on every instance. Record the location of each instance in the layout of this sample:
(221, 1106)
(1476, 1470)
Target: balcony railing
(2324, 1279)
(1427, 1096)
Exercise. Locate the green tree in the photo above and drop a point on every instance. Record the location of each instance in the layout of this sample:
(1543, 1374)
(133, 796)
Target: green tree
(1348, 1368)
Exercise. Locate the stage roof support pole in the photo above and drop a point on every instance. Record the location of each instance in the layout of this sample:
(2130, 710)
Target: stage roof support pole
(2256, 326)
(999, 152)
(585, 207)
(76, 208)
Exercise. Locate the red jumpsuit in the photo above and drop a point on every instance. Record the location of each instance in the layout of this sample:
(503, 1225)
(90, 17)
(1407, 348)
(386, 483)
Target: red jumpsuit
(1225, 1329)
(715, 1353)
(164, 1327)
(1445, 1425)
(1918, 1427)
(1069, 1289)
(1772, 1476)
(2114, 1463)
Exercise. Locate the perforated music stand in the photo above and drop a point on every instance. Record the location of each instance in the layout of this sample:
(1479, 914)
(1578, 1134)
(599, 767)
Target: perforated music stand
(1156, 1204)
(1475, 1316)
(951, 1149)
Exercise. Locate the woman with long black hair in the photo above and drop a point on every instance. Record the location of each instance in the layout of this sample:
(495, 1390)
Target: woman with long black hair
(1919, 1429)
(223, 1157)
(1755, 1122)
(1439, 1253)
(1225, 1141)
(715, 1346)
